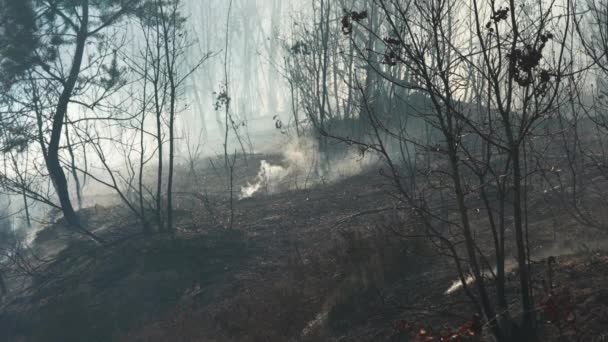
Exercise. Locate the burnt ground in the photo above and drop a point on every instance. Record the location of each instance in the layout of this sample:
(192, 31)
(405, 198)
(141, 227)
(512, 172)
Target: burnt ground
(327, 263)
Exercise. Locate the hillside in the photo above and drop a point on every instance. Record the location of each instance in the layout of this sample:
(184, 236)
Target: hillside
(326, 263)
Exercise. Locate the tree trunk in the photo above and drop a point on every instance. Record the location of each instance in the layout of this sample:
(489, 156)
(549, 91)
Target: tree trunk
(73, 165)
(52, 161)
(159, 140)
(524, 276)
(3, 289)
(26, 206)
(173, 94)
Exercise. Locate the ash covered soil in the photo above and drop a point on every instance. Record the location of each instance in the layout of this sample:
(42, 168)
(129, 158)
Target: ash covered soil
(330, 261)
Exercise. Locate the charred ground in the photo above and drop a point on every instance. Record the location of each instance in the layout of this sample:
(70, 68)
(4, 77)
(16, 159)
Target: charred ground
(330, 262)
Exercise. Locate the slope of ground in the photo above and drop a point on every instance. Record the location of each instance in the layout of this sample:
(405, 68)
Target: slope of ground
(319, 264)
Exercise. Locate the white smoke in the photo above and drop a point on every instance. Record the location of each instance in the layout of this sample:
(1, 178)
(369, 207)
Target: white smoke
(457, 285)
(510, 266)
(301, 168)
(269, 177)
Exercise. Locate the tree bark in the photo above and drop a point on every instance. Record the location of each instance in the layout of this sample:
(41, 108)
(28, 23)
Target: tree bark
(3, 288)
(52, 161)
(524, 276)
(170, 54)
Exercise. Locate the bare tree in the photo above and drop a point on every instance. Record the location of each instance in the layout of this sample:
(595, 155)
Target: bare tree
(71, 25)
(429, 58)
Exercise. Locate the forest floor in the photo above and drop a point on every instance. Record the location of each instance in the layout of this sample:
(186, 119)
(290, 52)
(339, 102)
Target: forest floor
(327, 263)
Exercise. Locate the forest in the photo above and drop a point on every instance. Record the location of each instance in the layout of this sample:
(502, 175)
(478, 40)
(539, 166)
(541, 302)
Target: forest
(303, 170)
